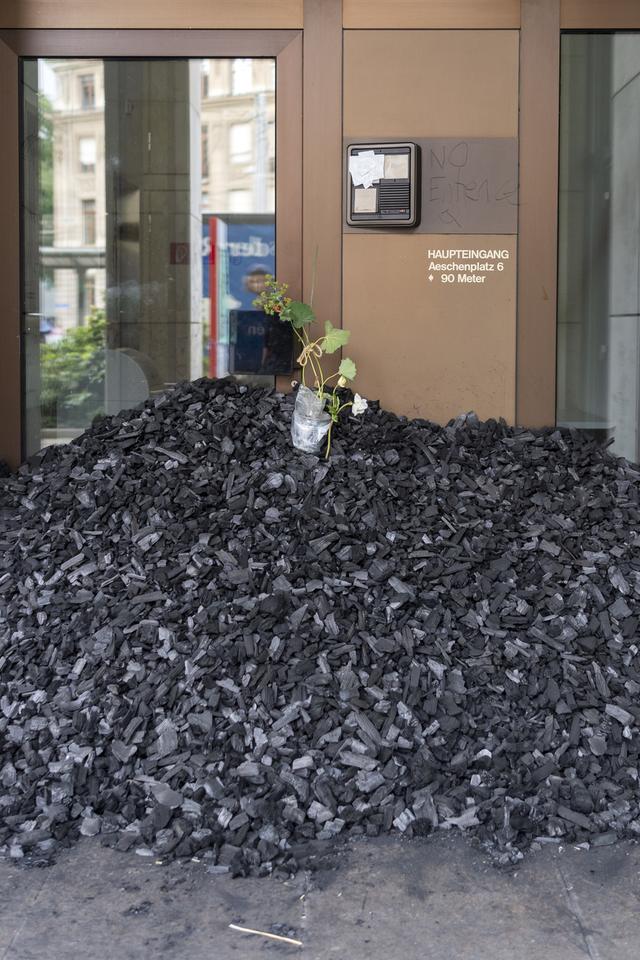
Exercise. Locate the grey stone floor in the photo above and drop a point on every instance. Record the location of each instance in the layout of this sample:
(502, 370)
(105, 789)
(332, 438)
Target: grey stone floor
(437, 899)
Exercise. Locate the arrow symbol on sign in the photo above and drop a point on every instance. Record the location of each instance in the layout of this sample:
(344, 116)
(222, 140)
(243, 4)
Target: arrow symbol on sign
(430, 277)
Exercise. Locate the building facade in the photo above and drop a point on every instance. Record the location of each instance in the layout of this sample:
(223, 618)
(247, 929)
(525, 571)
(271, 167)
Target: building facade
(517, 294)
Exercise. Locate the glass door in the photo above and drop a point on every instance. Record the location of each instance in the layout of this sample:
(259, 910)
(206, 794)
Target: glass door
(599, 238)
(148, 217)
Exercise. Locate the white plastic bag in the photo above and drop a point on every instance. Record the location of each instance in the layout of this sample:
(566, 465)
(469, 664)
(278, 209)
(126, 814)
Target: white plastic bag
(310, 423)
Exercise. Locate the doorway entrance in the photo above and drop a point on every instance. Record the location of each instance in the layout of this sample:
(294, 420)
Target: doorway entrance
(598, 386)
(161, 180)
(148, 225)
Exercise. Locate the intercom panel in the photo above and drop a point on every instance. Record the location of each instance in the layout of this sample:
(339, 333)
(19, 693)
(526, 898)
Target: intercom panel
(383, 184)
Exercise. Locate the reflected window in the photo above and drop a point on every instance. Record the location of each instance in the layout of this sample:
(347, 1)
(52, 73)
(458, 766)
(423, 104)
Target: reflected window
(148, 225)
(239, 201)
(598, 383)
(90, 291)
(87, 152)
(204, 78)
(87, 91)
(88, 222)
(205, 152)
(240, 143)
(241, 77)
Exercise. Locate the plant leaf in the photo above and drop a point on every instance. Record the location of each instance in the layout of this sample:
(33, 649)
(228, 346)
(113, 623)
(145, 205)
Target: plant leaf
(347, 369)
(299, 314)
(334, 337)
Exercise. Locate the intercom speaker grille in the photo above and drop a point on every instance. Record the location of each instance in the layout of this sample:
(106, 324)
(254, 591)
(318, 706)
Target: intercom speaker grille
(394, 196)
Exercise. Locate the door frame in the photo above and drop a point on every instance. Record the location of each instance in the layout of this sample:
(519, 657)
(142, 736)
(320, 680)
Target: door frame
(541, 25)
(285, 46)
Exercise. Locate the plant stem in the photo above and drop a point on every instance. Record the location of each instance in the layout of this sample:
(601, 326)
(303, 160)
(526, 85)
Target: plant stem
(317, 369)
(317, 372)
(301, 339)
(344, 406)
(326, 456)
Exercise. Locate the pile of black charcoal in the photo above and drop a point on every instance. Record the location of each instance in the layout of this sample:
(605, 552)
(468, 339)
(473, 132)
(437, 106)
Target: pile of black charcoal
(214, 646)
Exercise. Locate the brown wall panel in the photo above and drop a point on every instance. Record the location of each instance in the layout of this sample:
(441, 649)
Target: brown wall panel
(599, 14)
(10, 401)
(159, 14)
(482, 14)
(428, 348)
(288, 169)
(455, 83)
(538, 215)
(322, 152)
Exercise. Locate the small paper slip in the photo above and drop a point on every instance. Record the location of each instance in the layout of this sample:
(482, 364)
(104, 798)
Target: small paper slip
(396, 166)
(366, 167)
(365, 201)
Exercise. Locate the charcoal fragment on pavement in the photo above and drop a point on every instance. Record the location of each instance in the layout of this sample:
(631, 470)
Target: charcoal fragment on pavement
(215, 646)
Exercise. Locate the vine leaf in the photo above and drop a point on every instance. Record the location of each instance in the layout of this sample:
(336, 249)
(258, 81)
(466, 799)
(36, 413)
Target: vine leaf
(334, 337)
(300, 314)
(347, 369)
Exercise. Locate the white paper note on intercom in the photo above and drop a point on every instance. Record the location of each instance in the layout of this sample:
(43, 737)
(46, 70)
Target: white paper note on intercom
(366, 167)
(396, 166)
(365, 201)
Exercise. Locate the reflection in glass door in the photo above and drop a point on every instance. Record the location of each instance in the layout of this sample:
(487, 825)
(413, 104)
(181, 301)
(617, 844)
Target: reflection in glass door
(148, 228)
(599, 238)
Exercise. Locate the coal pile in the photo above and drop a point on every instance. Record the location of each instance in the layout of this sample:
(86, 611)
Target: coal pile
(213, 645)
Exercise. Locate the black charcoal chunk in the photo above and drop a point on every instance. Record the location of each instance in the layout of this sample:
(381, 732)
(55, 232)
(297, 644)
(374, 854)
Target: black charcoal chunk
(574, 816)
(249, 770)
(622, 716)
(598, 745)
(90, 826)
(369, 781)
(165, 796)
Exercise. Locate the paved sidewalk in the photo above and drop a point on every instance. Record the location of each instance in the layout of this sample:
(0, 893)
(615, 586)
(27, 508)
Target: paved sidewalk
(437, 899)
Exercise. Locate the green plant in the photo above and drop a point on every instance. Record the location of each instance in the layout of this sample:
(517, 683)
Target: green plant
(72, 375)
(275, 302)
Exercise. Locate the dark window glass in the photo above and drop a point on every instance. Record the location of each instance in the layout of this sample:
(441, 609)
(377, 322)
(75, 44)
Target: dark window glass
(599, 238)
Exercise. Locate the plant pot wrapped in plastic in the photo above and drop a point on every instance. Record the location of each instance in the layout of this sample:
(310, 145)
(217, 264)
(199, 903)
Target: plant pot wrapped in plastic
(310, 423)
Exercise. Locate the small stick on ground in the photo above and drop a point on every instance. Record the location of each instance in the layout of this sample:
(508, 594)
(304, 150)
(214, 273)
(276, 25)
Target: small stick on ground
(262, 933)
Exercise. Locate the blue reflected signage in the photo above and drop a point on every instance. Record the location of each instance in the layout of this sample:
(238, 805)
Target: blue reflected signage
(238, 252)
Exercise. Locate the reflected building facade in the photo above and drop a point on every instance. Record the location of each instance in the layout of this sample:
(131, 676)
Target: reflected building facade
(139, 174)
(236, 105)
